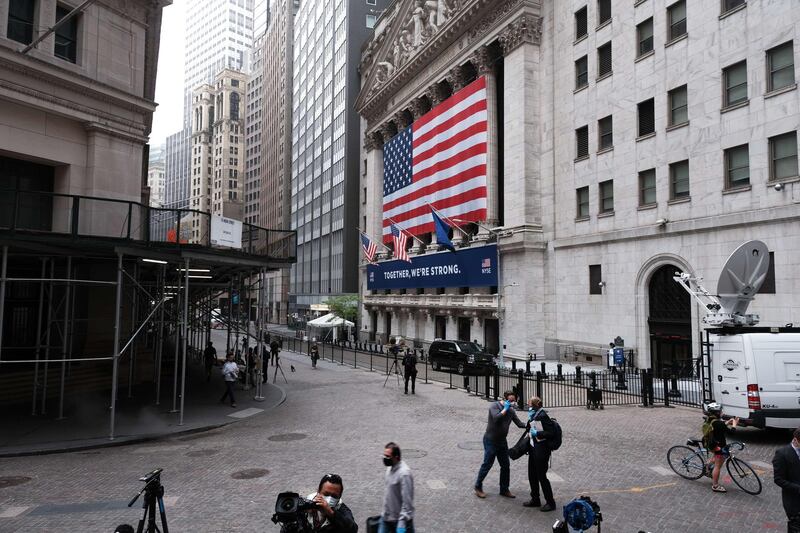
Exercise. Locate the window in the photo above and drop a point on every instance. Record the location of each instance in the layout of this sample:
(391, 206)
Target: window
(603, 11)
(595, 279)
(644, 35)
(676, 16)
(768, 287)
(737, 167)
(582, 72)
(20, 20)
(66, 46)
(780, 63)
(728, 5)
(647, 117)
(604, 60)
(783, 156)
(647, 187)
(735, 79)
(581, 23)
(678, 106)
(371, 19)
(679, 180)
(582, 142)
(582, 198)
(605, 137)
(607, 196)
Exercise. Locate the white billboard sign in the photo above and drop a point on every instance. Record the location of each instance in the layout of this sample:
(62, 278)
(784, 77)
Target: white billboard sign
(226, 232)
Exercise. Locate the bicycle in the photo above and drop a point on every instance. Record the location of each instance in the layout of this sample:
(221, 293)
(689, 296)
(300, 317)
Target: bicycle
(692, 463)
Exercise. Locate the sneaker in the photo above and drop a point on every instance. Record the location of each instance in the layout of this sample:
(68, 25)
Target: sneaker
(507, 494)
(532, 503)
(718, 488)
(479, 493)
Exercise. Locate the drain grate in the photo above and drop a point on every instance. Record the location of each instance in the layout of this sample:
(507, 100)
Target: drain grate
(287, 437)
(250, 473)
(202, 453)
(411, 453)
(13, 481)
(471, 445)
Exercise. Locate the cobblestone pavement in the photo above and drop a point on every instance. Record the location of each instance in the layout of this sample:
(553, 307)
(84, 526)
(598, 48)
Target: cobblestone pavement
(337, 419)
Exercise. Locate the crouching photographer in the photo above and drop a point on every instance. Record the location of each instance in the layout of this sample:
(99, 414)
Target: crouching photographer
(322, 511)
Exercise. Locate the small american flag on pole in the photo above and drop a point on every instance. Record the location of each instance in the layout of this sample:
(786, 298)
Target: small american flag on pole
(439, 160)
(369, 247)
(400, 239)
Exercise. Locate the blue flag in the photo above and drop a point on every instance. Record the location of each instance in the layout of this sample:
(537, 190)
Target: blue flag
(442, 230)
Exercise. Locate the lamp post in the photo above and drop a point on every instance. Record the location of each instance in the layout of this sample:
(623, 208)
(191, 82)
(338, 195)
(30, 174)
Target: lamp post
(500, 317)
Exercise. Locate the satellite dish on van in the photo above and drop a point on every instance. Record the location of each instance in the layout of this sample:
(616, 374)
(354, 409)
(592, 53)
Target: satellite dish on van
(741, 277)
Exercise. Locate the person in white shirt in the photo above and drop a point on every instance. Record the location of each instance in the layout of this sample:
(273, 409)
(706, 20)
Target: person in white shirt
(230, 371)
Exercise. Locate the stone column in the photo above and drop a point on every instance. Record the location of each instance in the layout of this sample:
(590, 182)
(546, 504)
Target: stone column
(484, 64)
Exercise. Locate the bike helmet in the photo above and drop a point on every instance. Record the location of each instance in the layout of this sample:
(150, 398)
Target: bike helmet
(713, 408)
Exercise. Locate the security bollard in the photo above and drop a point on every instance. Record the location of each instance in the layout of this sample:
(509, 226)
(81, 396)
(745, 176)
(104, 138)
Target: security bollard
(559, 374)
(578, 377)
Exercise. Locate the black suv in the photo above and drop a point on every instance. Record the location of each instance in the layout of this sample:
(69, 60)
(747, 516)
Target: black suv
(463, 356)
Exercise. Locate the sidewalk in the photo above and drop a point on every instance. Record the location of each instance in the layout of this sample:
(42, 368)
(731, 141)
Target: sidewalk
(87, 418)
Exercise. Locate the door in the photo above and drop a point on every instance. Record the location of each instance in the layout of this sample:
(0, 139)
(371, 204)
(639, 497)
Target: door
(728, 373)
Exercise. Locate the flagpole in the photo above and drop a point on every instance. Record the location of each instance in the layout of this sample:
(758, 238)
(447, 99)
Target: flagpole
(449, 221)
(405, 231)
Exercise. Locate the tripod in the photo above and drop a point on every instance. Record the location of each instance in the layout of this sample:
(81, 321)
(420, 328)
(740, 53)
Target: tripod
(396, 370)
(278, 367)
(153, 492)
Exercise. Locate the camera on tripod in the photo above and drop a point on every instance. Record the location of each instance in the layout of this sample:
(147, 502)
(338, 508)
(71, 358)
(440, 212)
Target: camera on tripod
(290, 512)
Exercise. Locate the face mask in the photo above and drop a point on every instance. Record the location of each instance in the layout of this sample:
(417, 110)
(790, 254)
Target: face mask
(387, 461)
(332, 501)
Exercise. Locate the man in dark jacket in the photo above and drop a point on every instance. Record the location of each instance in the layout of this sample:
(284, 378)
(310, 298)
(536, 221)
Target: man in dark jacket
(786, 470)
(541, 428)
(410, 370)
(501, 414)
(331, 515)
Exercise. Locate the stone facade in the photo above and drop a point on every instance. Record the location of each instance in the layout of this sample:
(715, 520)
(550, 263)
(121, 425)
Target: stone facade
(547, 248)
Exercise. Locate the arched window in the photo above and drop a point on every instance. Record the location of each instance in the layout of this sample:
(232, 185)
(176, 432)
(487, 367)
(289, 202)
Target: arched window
(234, 106)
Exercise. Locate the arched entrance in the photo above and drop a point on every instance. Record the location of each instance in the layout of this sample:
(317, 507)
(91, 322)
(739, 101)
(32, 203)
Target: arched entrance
(669, 322)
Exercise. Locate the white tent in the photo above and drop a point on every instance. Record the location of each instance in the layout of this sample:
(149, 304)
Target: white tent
(330, 321)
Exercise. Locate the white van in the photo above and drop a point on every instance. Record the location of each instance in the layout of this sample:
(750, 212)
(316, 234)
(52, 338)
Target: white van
(755, 375)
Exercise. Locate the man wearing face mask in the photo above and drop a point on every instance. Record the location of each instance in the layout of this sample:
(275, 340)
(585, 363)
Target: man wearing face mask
(331, 515)
(501, 414)
(398, 494)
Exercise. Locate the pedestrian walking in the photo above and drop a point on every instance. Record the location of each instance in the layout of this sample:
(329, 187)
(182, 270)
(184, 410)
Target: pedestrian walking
(542, 428)
(410, 370)
(230, 371)
(209, 358)
(495, 446)
(398, 493)
(786, 472)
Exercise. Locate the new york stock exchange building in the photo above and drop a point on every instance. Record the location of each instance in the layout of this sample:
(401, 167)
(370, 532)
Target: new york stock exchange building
(587, 151)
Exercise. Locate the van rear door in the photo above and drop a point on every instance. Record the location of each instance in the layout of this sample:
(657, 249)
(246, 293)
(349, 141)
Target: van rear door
(777, 363)
(729, 375)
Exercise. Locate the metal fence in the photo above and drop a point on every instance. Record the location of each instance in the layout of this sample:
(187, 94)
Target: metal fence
(592, 389)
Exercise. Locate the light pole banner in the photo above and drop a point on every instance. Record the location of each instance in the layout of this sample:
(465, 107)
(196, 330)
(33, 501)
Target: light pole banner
(226, 232)
(470, 267)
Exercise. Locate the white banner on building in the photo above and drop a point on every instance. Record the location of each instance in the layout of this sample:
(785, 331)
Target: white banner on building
(226, 232)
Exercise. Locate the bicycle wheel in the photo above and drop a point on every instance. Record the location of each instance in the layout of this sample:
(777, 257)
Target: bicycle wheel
(743, 475)
(686, 462)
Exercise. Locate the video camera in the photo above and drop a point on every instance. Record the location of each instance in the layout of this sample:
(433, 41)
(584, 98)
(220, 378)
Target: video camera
(290, 512)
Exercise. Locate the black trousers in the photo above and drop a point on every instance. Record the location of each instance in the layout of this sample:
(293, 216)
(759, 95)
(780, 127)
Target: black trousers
(410, 376)
(538, 459)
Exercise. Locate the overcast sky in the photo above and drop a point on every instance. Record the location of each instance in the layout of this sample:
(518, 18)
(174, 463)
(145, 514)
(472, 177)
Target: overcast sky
(168, 117)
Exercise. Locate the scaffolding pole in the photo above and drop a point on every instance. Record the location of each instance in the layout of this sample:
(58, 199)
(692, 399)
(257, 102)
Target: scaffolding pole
(38, 338)
(185, 337)
(64, 339)
(115, 364)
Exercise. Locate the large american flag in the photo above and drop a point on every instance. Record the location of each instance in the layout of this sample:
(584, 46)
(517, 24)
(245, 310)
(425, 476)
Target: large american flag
(438, 160)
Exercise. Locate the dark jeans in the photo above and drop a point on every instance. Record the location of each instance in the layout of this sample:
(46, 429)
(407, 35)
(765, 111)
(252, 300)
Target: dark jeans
(793, 525)
(538, 459)
(391, 527)
(492, 450)
(410, 376)
(229, 392)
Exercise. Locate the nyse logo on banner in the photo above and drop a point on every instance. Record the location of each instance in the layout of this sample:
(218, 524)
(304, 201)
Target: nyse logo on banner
(486, 266)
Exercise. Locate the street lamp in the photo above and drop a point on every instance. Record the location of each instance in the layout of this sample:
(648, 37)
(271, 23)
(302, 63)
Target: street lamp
(500, 316)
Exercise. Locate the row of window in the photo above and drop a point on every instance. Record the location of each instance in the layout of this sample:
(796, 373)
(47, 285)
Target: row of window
(782, 165)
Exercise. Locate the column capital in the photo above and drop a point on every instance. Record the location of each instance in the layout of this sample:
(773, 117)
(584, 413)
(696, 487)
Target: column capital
(457, 78)
(524, 29)
(482, 60)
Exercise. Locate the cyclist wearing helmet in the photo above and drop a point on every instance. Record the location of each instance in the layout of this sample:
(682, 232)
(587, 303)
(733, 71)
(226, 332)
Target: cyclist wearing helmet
(714, 436)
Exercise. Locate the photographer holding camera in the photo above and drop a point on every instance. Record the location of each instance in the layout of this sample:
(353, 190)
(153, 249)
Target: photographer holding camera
(330, 514)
